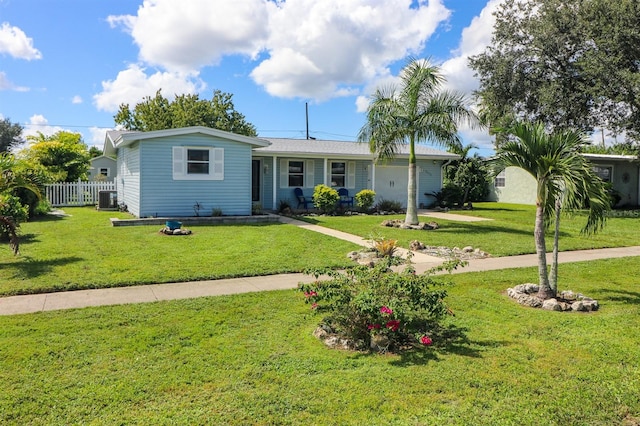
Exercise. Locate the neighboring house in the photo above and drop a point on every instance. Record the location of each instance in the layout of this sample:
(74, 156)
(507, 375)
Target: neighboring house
(514, 185)
(166, 172)
(103, 168)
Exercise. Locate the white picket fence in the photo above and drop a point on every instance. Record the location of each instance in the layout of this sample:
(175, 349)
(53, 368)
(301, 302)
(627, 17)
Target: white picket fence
(76, 193)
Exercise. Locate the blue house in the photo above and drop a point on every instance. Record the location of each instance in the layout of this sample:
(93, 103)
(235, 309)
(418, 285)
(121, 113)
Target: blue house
(169, 172)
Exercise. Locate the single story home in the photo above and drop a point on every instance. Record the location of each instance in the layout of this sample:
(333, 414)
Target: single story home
(194, 170)
(103, 168)
(514, 185)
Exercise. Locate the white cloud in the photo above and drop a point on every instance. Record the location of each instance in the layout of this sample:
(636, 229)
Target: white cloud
(76, 99)
(96, 136)
(38, 123)
(475, 38)
(133, 84)
(319, 49)
(16, 43)
(309, 49)
(5, 84)
(186, 35)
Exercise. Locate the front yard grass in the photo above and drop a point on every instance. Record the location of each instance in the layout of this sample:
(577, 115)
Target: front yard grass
(509, 233)
(85, 251)
(251, 359)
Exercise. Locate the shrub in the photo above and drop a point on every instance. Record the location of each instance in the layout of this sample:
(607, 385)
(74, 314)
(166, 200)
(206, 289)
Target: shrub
(10, 207)
(365, 198)
(384, 247)
(256, 209)
(284, 207)
(389, 206)
(325, 198)
(366, 303)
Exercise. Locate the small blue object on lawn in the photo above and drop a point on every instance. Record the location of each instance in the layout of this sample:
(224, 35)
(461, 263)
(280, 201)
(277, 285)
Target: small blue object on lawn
(173, 224)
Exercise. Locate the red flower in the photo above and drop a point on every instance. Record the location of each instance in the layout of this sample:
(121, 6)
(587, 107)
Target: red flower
(386, 311)
(425, 340)
(374, 326)
(310, 293)
(313, 306)
(393, 325)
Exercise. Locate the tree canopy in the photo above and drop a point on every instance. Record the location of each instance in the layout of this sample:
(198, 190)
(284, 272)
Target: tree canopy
(568, 64)
(63, 155)
(158, 113)
(10, 135)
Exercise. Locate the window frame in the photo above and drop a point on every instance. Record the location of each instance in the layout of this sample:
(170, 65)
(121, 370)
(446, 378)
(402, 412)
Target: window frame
(501, 179)
(215, 163)
(597, 167)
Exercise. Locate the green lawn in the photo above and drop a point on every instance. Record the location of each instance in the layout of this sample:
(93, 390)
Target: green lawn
(251, 359)
(509, 233)
(85, 251)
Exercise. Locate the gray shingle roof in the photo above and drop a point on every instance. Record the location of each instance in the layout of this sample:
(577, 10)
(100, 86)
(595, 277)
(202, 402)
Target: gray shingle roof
(309, 147)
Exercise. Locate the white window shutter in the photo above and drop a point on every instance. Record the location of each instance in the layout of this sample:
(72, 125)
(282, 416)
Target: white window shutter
(351, 174)
(309, 172)
(217, 164)
(179, 163)
(284, 173)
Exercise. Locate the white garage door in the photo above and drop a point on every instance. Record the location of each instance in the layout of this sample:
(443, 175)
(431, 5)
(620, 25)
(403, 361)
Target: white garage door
(391, 183)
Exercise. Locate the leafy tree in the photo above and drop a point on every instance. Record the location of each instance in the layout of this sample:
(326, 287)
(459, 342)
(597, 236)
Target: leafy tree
(63, 154)
(469, 174)
(564, 180)
(158, 113)
(10, 135)
(571, 65)
(415, 111)
(94, 152)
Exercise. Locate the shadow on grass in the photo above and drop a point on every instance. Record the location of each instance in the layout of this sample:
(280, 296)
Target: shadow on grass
(48, 218)
(630, 297)
(27, 267)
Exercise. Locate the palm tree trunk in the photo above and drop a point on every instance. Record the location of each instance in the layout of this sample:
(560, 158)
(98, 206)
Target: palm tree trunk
(553, 276)
(545, 291)
(412, 208)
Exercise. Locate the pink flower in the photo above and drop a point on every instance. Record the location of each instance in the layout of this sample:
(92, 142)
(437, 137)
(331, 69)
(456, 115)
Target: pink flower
(314, 306)
(310, 293)
(425, 340)
(374, 326)
(385, 311)
(393, 325)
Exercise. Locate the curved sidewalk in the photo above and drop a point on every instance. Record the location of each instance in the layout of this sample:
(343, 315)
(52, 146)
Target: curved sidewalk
(173, 291)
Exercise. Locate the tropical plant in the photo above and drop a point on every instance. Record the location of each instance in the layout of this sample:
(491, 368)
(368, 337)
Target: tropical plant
(64, 155)
(325, 198)
(416, 111)
(363, 302)
(11, 210)
(564, 181)
(365, 199)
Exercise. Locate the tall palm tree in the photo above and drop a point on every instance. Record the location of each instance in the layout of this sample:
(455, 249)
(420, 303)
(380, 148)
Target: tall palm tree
(415, 111)
(564, 180)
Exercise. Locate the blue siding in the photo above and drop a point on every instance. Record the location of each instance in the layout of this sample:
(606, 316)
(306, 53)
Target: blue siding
(129, 178)
(429, 180)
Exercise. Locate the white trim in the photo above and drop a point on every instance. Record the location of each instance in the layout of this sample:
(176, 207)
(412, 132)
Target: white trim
(179, 163)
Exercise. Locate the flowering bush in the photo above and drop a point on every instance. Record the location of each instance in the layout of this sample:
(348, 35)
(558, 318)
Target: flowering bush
(364, 303)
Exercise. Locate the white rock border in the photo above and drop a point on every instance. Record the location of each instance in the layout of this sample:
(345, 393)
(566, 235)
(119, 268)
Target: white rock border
(525, 294)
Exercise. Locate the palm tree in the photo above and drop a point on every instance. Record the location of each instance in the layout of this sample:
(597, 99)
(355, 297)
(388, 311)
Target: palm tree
(564, 180)
(415, 111)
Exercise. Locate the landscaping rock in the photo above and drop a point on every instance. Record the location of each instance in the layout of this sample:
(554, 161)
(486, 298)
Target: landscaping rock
(566, 301)
(399, 223)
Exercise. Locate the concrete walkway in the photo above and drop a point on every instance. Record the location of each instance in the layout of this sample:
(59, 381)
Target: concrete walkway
(172, 291)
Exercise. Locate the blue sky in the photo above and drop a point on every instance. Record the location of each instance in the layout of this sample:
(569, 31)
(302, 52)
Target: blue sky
(68, 64)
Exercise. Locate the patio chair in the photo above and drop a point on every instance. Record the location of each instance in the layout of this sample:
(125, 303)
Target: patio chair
(345, 199)
(302, 200)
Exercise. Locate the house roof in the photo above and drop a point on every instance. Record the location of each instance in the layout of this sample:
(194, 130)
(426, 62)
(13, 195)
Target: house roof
(115, 139)
(611, 157)
(343, 149)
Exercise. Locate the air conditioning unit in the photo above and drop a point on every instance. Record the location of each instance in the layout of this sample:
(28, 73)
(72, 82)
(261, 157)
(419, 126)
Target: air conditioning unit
(107, 200)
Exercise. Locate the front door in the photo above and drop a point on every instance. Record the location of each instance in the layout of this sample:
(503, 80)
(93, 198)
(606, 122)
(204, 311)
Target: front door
(256, 177)
(391, 184)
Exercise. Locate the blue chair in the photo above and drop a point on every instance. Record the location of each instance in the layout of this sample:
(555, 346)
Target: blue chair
(302, 200)
(345, 199)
